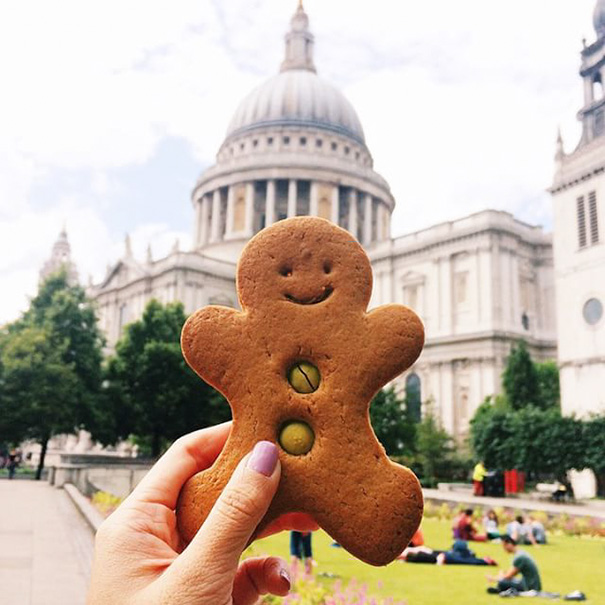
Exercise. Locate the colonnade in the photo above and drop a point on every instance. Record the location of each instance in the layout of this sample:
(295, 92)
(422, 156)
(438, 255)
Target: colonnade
(242, 209)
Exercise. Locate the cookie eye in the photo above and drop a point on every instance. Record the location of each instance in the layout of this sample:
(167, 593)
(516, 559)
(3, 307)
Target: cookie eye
(327, 267)
(286, 271)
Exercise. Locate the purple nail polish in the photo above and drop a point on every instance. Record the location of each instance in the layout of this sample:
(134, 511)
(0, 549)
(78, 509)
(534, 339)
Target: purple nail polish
(285, 576)
(263, 458)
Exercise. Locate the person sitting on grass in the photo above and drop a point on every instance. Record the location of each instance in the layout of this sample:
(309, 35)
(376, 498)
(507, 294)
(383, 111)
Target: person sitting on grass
(519, 531)
(522, 564)
(490, 524)
(465, 530)
(537, 533)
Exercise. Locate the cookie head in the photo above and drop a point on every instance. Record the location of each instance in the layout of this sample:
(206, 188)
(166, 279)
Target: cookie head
(304, 261)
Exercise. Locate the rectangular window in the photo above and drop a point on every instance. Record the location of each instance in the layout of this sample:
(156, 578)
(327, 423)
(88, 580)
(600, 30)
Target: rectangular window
(410, 296)
(460, 288)
(581, 222)
(592, 217)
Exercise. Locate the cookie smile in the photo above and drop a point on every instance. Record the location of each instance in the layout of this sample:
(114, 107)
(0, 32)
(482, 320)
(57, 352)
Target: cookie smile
(311, 300)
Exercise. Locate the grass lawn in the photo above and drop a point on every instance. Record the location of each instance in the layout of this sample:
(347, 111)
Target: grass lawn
(565, 564)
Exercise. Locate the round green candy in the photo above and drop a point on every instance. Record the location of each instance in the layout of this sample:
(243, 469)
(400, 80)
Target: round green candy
(304, 377)
(296, 438)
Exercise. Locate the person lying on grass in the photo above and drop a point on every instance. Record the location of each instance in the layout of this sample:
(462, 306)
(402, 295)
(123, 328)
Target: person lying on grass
(459, 554)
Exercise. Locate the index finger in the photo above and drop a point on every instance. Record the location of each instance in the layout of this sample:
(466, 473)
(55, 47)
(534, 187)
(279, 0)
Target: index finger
(186, 456)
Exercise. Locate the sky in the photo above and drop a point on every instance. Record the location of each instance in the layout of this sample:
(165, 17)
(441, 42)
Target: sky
(110, 110)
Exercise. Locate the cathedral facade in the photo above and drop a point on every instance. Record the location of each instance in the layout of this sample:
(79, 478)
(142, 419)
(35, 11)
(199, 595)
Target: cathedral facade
(578, 193)
(296, 146)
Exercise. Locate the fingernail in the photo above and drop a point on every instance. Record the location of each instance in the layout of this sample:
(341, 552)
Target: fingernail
(263, 458)
(285, 576)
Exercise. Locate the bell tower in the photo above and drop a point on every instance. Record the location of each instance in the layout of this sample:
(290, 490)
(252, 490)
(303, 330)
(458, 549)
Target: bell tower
(578, 194)
(592, 70)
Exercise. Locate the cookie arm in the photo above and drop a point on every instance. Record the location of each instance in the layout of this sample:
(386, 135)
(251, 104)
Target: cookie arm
(394, 340)
(211, 341)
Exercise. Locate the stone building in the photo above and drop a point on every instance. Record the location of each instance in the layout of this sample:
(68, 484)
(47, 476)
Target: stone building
(578, 193)
(296, 146)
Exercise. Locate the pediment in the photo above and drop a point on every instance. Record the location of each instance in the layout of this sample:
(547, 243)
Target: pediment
(124, 271)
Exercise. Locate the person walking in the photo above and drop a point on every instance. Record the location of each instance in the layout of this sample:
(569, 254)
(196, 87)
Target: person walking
(300, 550)
(479, 473)
(13, 462)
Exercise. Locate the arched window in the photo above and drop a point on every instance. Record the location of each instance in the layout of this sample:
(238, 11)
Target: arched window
(413, 397)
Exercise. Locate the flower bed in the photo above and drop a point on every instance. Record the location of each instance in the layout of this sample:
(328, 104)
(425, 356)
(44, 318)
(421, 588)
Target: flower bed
(562, 523)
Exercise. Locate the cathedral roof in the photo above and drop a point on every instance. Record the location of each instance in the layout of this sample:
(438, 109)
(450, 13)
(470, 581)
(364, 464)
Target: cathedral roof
(297, 96)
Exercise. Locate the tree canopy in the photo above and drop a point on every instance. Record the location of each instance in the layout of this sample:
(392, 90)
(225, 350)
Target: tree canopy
(51, 365)
(520, 378)
(150, 391)
(391, 423)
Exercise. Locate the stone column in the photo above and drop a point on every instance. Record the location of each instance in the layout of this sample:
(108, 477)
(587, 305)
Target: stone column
(292, 198)
(204, 228)
(270, 203)
(230, 207)
(197, 227)
(353, 212)
(588, 94)
(367, 225)
(216, 216)
(447, 294)
(335, 204)
(249, 207)
(379, 221)
(314, 199)
(515, 291)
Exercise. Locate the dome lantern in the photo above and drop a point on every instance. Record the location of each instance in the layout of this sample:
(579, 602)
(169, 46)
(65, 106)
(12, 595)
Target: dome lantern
(299, 43)
(598, 18)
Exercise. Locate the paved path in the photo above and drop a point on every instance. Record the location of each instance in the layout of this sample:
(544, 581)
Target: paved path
(591, 509)
(45, 546)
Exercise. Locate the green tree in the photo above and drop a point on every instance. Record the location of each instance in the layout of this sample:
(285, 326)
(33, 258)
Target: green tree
(594, 449)
(434, 447)
(520, 378)
(69, 318)
(493, 434)
(160, 397)
(39, 390)
(548, 443)
(65, 318)
(548, 384)
(391, 423)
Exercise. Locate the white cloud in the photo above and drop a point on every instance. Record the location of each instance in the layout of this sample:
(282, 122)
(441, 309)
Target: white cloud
(459, 100)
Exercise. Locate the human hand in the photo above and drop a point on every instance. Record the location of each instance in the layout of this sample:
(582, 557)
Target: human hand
(139, 556)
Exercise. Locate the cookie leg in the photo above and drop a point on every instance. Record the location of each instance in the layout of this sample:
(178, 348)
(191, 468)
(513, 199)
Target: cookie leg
(375, 512)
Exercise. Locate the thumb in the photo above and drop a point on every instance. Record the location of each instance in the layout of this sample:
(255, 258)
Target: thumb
(219, 543)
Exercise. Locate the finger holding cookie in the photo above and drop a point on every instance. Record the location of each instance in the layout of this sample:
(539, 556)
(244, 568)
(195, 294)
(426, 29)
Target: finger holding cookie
(139, 556)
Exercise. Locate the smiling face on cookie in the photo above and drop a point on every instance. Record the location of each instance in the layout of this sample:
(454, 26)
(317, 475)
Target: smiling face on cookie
(304, 261)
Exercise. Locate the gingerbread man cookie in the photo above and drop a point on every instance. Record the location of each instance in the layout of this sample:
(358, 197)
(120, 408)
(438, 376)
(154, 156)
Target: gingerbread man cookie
(299, 366)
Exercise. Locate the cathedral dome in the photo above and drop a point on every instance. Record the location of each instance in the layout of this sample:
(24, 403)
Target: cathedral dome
(297, 97)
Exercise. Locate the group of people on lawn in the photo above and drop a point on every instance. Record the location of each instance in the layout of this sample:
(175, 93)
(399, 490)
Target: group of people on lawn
(521, 576)
(522, 531)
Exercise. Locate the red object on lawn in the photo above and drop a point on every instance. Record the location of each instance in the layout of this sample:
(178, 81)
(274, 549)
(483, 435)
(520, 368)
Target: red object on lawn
(514, 481)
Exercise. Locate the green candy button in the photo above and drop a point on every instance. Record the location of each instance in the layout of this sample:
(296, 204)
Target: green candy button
(304, 377)
(296, 438)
